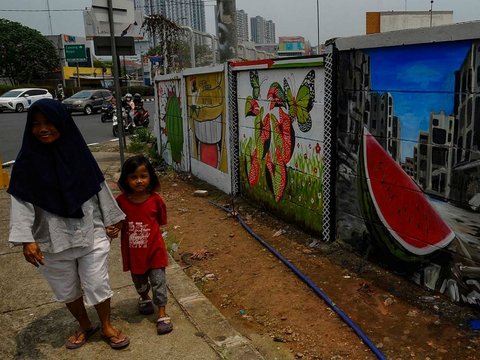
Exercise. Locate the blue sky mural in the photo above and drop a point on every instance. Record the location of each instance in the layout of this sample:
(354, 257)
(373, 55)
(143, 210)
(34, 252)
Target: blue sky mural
(421, 79)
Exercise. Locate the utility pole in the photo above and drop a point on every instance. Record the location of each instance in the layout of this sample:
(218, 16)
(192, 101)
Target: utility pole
(431, 13)
(318, 27)
(118, 96)
(49, 18)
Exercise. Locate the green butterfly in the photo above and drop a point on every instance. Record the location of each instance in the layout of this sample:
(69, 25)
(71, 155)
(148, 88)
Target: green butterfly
(299, 106)
(255, 83)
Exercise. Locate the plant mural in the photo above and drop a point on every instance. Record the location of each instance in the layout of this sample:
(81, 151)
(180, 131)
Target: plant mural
(171, 122)
(280, 167)
(409, 169)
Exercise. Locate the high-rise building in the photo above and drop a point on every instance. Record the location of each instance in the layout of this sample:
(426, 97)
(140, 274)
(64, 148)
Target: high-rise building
(186, 12)
(270, 32)
(242, 26)
(263, 31)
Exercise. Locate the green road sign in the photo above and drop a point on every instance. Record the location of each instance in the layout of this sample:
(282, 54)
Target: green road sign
(75, 53)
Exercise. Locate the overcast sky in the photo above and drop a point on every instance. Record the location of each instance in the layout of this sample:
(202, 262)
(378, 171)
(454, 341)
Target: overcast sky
(292, 17)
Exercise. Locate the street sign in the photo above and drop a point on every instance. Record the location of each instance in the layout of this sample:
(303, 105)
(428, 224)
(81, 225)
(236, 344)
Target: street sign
(75, 53)
(102, 45)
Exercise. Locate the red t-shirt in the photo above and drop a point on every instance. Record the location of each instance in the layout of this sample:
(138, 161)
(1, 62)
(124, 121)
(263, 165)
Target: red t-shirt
(143, 247)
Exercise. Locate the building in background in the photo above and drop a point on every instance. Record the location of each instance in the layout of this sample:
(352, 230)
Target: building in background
(242, 26)
(382, 21)
(262, 30)
(293, 46)
(185, 12)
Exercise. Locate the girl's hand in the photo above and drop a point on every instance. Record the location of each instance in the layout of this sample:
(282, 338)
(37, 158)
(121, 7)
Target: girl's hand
(112, 231)
(33, 254)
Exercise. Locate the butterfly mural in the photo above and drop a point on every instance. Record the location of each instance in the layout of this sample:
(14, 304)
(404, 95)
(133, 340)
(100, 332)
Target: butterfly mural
(271, 148)
(299, 106)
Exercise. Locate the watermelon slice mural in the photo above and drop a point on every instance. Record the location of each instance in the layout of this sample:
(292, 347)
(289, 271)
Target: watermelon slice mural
(408, 164)
(388, 196)
(280, 144)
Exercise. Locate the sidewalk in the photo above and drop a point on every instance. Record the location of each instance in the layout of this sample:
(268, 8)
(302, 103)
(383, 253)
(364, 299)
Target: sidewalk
(35, 327)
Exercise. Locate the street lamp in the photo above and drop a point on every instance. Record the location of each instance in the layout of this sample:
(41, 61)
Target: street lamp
(431, 12)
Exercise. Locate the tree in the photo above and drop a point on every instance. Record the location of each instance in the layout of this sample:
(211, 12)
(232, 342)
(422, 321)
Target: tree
(181, 60)
(25, 54)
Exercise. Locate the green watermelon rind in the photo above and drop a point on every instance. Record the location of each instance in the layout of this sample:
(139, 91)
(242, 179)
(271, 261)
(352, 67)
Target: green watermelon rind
(376, 223)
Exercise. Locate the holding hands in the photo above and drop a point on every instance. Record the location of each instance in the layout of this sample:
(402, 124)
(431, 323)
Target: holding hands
(113, 230)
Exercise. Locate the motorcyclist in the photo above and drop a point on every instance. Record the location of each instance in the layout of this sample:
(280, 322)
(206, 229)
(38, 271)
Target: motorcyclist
(137, 99)
(129, 106)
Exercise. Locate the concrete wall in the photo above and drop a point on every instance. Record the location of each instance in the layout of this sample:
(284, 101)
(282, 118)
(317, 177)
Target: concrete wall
(391, 21)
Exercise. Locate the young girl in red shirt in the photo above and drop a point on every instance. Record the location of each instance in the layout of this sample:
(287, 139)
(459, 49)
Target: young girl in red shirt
(144, 252)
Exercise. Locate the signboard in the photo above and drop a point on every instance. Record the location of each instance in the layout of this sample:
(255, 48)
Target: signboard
(75, 53)
(103, 45)
(126, 20)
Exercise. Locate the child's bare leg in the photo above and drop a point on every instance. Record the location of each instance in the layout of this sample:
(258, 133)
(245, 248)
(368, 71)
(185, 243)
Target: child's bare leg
(161, 312)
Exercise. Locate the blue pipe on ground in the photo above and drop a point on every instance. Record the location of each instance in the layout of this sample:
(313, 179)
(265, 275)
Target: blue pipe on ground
(306, 280)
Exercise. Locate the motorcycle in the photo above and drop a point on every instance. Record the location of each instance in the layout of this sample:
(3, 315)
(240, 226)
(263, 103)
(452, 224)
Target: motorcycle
(141, 117)
(129, 124)
(107, 111)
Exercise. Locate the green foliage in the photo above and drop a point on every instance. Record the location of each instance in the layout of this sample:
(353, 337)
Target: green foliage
(25, 54)
(144, 142)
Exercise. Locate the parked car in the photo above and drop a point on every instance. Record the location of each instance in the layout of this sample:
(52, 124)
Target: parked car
(87, 101)
(21, 99)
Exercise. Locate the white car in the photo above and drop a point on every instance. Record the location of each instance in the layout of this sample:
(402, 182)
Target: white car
(21, 99)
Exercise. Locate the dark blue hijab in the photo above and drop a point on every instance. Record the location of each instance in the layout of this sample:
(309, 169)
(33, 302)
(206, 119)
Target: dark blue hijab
(57, 177)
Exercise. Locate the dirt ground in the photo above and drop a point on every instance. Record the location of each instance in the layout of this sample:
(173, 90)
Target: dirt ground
(269, 304)
(266, 302)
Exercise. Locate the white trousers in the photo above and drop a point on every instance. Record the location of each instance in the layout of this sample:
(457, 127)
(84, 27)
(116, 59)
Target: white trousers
(78, 272)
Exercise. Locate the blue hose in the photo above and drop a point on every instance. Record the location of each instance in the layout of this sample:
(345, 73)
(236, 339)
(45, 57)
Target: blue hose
(306, 280)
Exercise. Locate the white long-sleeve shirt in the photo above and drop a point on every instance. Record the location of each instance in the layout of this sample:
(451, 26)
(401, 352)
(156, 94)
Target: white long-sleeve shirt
(53, 233)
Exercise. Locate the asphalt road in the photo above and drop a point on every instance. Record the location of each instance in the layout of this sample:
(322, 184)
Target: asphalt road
(93, 130)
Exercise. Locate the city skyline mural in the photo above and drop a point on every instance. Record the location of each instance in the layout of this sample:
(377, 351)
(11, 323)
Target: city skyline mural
(408, 177)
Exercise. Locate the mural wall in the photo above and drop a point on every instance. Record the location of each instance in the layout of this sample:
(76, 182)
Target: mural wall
(173, 142)
(408, 178)
(281, 136)
(208, 128)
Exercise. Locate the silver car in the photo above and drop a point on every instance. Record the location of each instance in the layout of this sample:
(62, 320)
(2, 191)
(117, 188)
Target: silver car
(87, 101)
(21, 99)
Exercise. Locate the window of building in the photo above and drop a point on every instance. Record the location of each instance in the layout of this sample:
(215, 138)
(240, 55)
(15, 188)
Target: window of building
(435, 122)
(439, 136)
(423, 149)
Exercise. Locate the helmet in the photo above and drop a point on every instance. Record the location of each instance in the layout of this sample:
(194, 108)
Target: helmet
(137, 96)
(128, 96)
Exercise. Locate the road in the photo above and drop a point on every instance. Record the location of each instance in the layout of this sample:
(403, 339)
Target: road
(93, 130)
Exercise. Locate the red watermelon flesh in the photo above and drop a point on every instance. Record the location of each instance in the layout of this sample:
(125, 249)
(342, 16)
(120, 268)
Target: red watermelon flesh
(400, 204)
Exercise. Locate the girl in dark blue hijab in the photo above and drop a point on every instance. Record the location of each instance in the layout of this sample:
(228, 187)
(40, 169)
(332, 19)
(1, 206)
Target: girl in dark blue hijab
(60, 208)
(58, 176)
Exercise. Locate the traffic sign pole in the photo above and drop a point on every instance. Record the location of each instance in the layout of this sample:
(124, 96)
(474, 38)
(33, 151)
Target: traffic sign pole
(121, 139)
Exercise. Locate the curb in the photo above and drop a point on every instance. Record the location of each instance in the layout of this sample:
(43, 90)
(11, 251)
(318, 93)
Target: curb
(217, 331)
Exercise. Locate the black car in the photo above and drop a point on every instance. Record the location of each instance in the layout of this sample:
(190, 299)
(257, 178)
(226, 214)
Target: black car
(87, 101)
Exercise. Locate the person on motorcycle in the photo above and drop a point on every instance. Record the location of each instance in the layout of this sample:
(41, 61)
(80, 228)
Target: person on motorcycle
(129, 106)
(137, 99)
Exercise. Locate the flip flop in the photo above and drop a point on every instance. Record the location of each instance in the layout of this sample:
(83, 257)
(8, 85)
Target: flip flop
(119, 344)
(86, 335)
(164, 325)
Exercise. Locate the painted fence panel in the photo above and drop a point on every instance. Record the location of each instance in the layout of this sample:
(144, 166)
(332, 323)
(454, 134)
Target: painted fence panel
(408, 178)
(173, 139)
(206, 103)
(281, 136)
